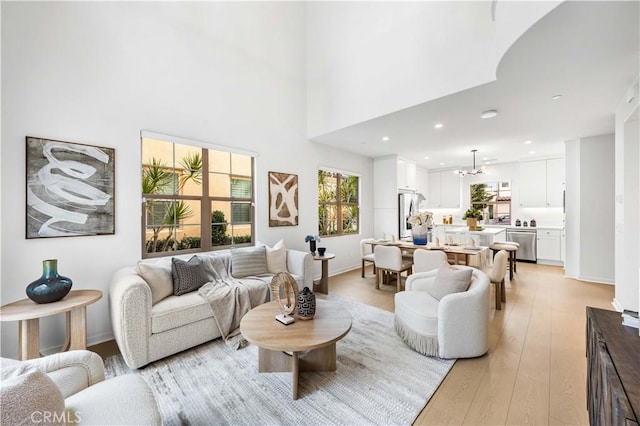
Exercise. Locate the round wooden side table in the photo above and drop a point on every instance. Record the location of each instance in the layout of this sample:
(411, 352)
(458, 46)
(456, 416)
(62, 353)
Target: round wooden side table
(28, 314)
(322, 285)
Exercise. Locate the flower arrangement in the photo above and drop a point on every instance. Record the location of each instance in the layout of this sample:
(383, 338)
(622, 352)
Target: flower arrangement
(309, 238)
(422, 218)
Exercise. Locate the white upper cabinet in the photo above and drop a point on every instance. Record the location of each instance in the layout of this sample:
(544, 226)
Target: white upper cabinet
(444, 190)
(541, 183)
(406, 174)
(422, 181)
(555, 182)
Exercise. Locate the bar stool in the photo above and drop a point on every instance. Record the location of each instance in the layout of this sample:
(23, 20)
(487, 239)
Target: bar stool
(511, 248)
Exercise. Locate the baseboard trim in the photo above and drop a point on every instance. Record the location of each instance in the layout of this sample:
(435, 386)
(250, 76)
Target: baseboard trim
(595, 280)
(91, 340)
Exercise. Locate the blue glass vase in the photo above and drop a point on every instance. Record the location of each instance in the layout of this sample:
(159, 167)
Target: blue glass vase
(419, 234)
(51, 286)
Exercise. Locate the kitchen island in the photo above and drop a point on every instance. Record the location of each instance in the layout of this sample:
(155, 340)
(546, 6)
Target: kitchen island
(460, 234)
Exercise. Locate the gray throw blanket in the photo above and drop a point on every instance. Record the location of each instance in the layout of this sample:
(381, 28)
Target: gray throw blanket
(230, 298)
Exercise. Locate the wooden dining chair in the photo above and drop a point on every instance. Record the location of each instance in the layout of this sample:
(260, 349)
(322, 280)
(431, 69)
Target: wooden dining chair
(388, 259)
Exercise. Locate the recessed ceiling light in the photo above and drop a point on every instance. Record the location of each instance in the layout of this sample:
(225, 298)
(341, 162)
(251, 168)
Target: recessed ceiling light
(438, 125)
(442, 164)
(556, 97)
(489, 114)
(426, 158)
(527, 142)
(532, 152)
(385, 138)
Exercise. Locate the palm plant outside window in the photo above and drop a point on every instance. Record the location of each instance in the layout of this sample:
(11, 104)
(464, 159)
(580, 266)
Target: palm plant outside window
(338, 203)
(194, 199)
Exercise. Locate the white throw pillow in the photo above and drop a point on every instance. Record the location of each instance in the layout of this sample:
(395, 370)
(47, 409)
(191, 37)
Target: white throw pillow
(158, 276)
(248, 261)
(277, 258)
(450, 280)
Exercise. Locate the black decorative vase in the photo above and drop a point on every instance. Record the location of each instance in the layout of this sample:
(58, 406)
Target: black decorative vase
(312, 247)
(306, 308)
(51, 286)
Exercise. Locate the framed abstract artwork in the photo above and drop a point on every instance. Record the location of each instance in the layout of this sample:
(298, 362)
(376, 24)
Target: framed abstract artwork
(70, 189)
(283, 199)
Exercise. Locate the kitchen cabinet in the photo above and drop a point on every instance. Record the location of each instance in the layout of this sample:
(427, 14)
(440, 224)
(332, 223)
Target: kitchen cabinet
(406, 172)
(542, 183)
(549, 245)
(444, 190)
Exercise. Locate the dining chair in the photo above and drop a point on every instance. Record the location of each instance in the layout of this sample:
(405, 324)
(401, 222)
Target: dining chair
(388, 259)
(366, 252)
(497, 274)
(428, 260)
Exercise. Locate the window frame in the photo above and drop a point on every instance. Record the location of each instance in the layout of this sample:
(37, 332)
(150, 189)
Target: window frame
(338, 203)
(495, 203)
(205, 199)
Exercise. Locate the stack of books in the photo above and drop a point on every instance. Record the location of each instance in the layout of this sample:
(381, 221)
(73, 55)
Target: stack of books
(630, 318)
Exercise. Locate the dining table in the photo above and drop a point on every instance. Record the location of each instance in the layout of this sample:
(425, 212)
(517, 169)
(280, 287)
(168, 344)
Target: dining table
(475, 256)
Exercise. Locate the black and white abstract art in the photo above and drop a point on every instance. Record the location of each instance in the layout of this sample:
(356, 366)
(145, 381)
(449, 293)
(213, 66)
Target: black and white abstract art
(70, 189)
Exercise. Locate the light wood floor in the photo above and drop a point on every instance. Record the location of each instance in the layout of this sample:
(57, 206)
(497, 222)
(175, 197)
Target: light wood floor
(535, 371)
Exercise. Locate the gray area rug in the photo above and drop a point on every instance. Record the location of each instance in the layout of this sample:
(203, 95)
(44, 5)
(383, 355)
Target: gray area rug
(379, 380)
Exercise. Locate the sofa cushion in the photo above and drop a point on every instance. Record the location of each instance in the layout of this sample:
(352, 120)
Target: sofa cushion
(158, 276)
(450, 280)
(176, 311)
(418, 310)
(188, 275)
(276, 258)
(249, 261)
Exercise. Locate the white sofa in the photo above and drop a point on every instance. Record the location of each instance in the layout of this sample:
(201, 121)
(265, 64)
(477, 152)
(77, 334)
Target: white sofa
(69, 388)
(148, 326)
(456, 326)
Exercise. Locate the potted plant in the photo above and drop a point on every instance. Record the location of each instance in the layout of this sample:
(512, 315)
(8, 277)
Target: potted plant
(472, 215)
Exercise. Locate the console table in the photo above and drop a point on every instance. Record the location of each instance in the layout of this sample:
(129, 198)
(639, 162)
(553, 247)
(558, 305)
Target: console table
(613, 376)
(28, 314)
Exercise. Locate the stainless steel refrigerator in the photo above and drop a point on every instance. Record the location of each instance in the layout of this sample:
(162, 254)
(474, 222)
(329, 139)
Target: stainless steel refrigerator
(408, 204)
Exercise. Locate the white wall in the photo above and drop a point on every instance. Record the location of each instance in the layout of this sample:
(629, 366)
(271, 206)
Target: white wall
(97, 73)
(590, 186)
(597, 183)
(627, 203)
(385, 197)
(572, 202)
(366, 59)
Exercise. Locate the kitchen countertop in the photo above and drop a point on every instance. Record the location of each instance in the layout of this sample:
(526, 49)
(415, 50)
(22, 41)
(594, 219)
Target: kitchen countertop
(486, 231)
(462, 225)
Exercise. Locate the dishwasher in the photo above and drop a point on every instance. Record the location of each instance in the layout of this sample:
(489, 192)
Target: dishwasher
(527, 238)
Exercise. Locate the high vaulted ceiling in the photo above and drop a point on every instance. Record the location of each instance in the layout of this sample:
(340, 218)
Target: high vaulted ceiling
(586, 51)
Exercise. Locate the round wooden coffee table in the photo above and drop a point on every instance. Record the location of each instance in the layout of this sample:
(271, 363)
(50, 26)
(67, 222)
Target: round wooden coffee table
(305, 345)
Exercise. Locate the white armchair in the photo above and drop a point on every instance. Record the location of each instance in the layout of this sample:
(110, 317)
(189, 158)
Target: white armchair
(456, 326)
(69, 387)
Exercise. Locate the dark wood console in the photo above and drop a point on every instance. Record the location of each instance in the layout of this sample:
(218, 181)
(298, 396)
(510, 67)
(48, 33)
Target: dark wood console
(613, 369)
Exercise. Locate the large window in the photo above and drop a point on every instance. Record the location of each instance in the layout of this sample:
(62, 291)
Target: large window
(493, 199)
(338, 203)
(194, 198)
